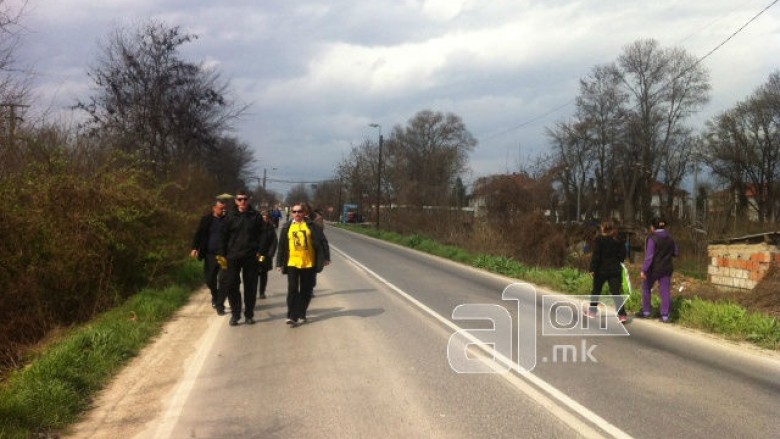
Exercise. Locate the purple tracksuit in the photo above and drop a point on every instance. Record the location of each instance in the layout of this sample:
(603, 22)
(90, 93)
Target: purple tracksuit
(660, 249)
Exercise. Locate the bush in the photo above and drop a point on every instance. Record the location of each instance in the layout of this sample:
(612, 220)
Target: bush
(73, 247)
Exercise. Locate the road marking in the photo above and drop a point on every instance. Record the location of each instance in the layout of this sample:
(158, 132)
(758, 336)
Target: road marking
(187, 382)
(515, 378)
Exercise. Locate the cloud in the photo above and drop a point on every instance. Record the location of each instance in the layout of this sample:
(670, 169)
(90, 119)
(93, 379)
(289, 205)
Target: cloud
(317, 72)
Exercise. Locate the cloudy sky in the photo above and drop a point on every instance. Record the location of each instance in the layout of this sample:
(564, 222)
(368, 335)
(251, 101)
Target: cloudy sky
(317, 72)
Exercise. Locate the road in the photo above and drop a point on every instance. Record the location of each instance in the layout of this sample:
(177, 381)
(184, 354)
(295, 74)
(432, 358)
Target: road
(373, 362)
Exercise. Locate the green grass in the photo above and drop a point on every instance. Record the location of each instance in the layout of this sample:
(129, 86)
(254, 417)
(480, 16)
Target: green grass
(731, 320)
(56, 388)
(728, 319)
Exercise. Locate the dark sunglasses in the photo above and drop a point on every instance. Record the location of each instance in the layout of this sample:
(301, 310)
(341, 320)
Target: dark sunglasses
(241, 199)
(296, 211)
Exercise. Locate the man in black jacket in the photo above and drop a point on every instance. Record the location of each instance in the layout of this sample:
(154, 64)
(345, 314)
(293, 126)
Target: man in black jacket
(240, 245)
(205, 245)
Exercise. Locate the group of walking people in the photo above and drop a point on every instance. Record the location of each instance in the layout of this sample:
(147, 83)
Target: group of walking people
(238, 243)
(606, 266)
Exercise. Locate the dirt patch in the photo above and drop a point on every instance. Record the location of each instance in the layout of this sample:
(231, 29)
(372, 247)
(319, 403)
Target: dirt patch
(137, 394)
(764, 298)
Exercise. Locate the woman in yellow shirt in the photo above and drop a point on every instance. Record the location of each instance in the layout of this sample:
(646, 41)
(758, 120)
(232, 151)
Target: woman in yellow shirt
(303, 252)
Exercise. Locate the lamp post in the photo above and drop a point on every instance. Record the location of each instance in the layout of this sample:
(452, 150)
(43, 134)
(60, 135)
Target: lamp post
(378, 172)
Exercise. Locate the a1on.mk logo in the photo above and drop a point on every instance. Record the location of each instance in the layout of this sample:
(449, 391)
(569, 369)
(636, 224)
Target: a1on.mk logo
(560, 316)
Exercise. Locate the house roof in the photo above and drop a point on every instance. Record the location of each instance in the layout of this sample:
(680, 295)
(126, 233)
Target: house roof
(766, 237)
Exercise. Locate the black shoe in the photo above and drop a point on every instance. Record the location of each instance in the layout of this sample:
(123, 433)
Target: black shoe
(641, 315)
(221, 312)
(233, 321)
(262, 296)
(249, 321)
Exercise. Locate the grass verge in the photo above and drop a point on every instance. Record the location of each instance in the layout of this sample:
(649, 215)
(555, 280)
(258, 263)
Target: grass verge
(725, 318)
(55, 389)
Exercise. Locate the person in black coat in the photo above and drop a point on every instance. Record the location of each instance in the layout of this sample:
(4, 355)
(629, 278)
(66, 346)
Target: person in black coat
(268, 243)
(205, 246)
(240, 245)
(605, 267)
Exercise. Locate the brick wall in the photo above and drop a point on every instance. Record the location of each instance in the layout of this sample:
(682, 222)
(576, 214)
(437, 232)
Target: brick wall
(740, 265)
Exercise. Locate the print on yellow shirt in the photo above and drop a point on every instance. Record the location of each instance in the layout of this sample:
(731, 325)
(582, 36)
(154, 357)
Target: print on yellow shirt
(301, 250)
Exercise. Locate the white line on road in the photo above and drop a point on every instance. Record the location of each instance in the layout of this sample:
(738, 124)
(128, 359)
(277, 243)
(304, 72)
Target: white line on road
(515, 379)
(186, 383)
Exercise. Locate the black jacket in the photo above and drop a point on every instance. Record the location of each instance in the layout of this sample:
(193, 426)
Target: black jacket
(201, 240)
(241, 234)
(268, 244)
(608, 253)
(320, 242)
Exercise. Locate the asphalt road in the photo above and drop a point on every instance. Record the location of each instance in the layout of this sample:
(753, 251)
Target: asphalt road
(373, 362)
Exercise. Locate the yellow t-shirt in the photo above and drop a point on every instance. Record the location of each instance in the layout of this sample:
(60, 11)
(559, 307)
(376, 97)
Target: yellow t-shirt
(301, 248)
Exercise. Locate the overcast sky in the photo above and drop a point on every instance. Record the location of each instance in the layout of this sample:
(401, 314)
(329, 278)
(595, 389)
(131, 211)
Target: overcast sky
(317, 73)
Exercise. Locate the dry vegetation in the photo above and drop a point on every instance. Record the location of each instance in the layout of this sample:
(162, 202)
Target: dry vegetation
(533, 240)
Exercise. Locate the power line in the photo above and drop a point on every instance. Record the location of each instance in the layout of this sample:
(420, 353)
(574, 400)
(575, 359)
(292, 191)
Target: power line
(732, 35)
(556, 109)
(530, 121)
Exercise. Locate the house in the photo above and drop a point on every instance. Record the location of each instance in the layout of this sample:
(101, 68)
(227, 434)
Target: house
(724, 202)
(659, 196)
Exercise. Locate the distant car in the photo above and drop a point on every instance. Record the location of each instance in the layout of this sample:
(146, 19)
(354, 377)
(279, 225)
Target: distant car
(354, 217)
(349, 214)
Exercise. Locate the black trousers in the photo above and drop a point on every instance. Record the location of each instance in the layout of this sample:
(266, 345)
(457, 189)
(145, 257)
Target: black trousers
(300, 284)
(615, 283)
(242, 268)
(214, 277)
(262, 276)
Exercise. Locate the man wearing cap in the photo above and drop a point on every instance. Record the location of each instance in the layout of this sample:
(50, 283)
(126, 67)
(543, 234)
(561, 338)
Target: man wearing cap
(205, 245)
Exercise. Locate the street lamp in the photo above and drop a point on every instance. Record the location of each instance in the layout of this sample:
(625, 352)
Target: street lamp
(378, 172)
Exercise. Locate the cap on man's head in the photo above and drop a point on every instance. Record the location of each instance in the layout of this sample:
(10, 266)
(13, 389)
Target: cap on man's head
(225, 197)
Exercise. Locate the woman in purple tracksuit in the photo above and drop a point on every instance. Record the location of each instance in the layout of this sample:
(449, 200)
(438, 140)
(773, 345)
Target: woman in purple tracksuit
(660, 249)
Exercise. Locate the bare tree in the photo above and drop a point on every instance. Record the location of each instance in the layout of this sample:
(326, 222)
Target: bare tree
(298, 194)
(601, 106)
(743, 146)
(151, 101)
(357, 172)
(574, 156)
(629, 128)
(665, 87)
(229, 161)
(14, 82)
(426, 156)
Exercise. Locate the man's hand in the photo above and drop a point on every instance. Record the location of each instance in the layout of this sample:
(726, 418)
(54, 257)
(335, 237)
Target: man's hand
(194, 253)
(222, 261)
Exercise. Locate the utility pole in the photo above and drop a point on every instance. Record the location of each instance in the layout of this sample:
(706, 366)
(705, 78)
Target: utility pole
(378, 173)
(695, 193)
